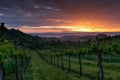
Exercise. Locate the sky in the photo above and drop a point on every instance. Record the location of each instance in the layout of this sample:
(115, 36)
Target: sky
(42, 16)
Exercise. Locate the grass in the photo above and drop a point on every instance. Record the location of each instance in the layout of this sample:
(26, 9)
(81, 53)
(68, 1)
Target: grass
(26, 76)
(90, 69)
(105, 58)
(45, 71)
(40, 70)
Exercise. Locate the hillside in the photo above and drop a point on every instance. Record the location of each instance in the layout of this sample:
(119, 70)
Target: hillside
(51, 58)
(22, 39)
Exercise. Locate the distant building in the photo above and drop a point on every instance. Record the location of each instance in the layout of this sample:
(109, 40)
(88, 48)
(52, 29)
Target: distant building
(3, 29)
(2, 24)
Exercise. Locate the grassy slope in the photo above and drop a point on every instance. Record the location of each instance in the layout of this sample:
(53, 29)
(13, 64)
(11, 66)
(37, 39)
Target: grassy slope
(43, 71)
(90, 69)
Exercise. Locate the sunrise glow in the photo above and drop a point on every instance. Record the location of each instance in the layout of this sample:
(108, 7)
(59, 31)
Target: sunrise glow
(46, 29)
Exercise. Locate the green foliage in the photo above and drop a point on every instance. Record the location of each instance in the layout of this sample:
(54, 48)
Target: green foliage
(7, 56)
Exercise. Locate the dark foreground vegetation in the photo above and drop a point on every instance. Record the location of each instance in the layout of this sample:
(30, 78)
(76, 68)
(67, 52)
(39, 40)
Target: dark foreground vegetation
(26, 57)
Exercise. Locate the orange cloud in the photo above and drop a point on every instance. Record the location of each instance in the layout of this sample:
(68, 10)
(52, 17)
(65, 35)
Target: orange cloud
(82, 28)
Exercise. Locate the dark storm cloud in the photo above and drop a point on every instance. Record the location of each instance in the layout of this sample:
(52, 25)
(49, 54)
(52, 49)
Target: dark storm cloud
(27, 12)
(35, 12)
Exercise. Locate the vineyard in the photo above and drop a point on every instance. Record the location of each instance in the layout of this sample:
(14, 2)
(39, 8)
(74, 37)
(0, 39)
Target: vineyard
(13, 61)
(26, 57)
(83, 60)
(59, 39)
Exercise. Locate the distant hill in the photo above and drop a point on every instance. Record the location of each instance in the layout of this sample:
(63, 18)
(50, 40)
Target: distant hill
(21, 39)
(79, 34)
(34, 41)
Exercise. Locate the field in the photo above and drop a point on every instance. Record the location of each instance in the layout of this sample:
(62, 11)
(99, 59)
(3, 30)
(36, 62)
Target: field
(43, 71)
(26, 57)
(90, 70)
(84, 61)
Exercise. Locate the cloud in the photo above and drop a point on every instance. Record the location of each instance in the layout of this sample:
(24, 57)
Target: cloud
(58, 12)
(1, 14)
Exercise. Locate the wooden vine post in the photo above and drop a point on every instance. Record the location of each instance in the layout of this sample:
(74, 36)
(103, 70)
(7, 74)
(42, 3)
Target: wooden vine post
(2, 71)
(62, 64)
(99, 60)
(80, 64)
(69, 64)
(57, 59)
(51, 59)
(54, 59)
(16, 67)
(21, 69)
